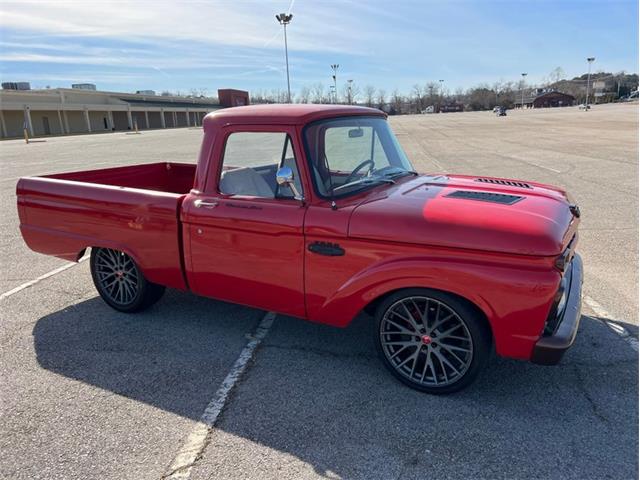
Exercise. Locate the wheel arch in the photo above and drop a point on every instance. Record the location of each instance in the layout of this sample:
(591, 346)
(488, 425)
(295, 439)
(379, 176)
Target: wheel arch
(373, 305)
(119, 247)
(365, 290)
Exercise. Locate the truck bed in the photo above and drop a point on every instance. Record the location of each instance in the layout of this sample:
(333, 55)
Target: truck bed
(159, 177)
(134, 209)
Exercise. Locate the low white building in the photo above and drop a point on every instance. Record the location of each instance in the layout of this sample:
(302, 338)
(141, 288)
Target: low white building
(63, 111)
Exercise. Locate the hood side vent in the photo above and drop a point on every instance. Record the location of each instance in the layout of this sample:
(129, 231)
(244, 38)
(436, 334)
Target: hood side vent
(486, 197)
(498, 181)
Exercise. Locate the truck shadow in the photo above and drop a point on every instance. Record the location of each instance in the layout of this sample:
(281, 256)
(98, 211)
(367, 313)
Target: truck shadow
(173, 356)
(321, 395)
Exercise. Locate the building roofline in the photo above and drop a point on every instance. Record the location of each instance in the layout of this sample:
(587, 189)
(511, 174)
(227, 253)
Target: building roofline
(163, 98)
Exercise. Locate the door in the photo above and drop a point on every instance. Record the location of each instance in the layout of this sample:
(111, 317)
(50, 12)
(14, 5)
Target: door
(245, 233)
(46, 126)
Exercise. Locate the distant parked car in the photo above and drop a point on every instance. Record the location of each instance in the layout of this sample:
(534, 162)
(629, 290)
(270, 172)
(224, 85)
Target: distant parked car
(629, 98)
(496, 109)
(582, 106)
(500, 112)
(429, 109)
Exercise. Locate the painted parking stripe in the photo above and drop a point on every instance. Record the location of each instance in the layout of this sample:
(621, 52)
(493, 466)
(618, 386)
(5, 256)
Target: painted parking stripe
(616, 327)
(40, 278)
(197, 440)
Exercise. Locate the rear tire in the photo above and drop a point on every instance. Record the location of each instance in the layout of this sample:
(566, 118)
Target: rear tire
(120, 281)
(430, 340)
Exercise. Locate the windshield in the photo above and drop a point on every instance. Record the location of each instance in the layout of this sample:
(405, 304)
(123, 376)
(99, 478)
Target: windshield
(350, 154)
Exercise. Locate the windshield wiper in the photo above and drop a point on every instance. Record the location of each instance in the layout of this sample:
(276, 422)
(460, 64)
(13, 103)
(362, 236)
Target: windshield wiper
(366, 181)
(400, 173)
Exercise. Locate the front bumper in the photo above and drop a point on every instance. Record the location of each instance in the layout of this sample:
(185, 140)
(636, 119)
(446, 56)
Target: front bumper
(549, 349)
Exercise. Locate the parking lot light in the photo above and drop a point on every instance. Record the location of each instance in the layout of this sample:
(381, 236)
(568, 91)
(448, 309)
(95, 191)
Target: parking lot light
(335, 67)
(284, 20)
(590, 60)
(523, 80)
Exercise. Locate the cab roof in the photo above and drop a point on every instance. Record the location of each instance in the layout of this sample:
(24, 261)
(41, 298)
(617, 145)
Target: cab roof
(283, 114)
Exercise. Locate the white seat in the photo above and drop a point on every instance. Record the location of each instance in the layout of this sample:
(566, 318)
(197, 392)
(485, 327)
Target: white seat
(244, 181)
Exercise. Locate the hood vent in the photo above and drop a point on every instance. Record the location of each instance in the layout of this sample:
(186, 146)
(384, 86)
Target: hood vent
(486, 197)
(508, 183)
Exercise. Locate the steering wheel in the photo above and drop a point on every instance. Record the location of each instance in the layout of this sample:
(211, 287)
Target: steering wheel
(355, 171)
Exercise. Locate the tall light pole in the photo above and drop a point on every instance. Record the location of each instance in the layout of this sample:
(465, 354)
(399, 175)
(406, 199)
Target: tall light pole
(349, 90)
(523, 80)
(284, 20)
(589, 61)
(335, 67)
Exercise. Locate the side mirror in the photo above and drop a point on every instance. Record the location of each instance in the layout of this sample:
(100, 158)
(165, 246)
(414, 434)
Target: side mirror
(284, 177)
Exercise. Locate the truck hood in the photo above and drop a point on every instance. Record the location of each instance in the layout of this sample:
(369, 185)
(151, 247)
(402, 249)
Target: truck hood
(479, 213)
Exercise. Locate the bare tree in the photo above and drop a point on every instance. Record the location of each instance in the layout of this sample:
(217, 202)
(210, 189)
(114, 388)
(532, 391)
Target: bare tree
(317, 93)
(304, 95)
(417, 97)
(481, 97)
(382, 99)
(497, 89)
(507, 95)
(351, 91)
(557, 74)
(397, 102)
(369, 95)
(277, 96)
(273, 96)
(198, 92)
(431, 93)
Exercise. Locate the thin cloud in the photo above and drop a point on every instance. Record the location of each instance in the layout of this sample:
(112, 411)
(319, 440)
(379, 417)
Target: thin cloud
(383, 43)
(246, 24)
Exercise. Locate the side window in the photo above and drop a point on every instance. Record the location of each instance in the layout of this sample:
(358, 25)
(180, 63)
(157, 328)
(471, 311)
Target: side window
(250, 163)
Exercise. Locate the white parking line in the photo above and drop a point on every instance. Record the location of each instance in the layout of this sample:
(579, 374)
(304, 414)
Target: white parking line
(197, 440)
(40, 278)
(606, 316)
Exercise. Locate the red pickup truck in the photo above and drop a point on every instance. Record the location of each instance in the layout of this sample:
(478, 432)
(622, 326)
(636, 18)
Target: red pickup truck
(315, 212)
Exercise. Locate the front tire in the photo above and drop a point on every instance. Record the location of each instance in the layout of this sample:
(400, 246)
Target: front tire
(430, 340)
(120, 281)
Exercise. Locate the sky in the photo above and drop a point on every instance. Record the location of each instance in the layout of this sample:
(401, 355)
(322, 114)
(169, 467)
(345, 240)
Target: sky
(206, 45)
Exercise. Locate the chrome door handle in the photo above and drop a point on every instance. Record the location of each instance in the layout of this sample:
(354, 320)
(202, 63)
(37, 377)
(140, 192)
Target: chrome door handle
(202, 203)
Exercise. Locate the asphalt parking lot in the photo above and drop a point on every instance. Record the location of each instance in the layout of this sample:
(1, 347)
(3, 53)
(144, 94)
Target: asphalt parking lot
(90, 393)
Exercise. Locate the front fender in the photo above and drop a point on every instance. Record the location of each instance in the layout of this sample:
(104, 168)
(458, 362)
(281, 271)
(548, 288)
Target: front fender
(514, 299)
(387, 276)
